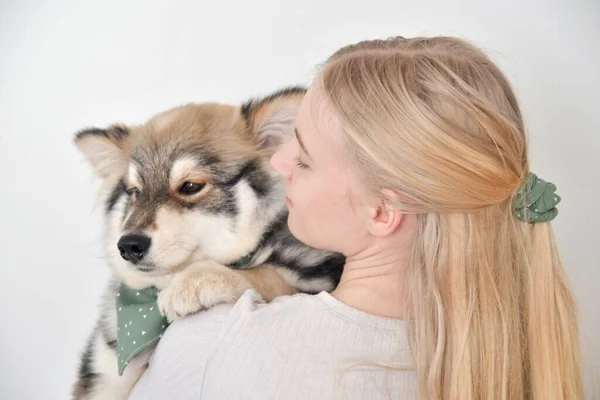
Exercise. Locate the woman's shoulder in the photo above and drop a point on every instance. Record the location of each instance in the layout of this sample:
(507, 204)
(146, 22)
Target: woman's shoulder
(252, 302)
(318, 307)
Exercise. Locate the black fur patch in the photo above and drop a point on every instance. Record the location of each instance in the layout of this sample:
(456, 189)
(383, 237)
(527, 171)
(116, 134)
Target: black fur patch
(331, 269)
(113, 133)
(208, 159)
(222, 202)
(257, 179)
(246, 169)
(278, 224)
(251, 105)
(86, 375)
(279, 238)
(115, 195)
(228, 205)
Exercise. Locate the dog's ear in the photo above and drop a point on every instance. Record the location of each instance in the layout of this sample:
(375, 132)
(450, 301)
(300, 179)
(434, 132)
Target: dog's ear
(271, 119)
(104, 148)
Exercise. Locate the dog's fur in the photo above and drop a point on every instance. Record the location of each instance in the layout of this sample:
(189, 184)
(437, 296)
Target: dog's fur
(239, 210)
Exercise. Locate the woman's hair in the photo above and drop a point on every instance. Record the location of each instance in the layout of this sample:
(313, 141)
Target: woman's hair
(435, 121)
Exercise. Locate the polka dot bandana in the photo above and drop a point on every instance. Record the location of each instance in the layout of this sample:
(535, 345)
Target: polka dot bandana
(139, 322)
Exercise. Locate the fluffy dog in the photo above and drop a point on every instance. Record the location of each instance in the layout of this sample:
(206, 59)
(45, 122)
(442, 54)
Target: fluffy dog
(194, 210)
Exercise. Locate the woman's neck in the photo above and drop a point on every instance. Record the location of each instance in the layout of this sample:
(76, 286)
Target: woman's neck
(373, 282)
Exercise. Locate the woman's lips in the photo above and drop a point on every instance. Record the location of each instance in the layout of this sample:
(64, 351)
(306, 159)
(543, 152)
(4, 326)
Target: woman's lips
(288, 202)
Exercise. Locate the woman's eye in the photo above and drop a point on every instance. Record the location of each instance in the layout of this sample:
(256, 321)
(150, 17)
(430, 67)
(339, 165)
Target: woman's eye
(299, 163)
(189, 188)
(132, 190)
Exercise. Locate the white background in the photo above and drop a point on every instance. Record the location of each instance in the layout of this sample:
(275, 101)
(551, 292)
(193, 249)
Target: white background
(65, 66)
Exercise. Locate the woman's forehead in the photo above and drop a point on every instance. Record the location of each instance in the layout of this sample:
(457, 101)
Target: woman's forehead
(322, 134)
(317, 122)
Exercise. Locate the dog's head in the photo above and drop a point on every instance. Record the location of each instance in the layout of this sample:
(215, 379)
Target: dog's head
(193, 182)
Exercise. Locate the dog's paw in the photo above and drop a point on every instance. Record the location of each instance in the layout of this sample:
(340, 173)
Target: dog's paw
(200, 286)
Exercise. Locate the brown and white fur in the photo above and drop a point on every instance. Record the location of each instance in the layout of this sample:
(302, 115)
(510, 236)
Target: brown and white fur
(186, 194)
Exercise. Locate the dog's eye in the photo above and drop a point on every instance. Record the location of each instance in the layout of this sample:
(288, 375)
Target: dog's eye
(189, 188)
(132, 190)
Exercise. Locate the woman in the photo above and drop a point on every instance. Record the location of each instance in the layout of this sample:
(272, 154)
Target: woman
(410, 158)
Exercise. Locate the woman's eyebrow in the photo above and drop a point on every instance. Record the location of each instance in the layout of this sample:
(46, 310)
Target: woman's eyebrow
(300, 142)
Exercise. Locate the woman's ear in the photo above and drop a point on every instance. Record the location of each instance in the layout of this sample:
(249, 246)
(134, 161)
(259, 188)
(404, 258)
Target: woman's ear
(384, 219)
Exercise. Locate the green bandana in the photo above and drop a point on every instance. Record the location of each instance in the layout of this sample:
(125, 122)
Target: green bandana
(139, 322)
(536, 201)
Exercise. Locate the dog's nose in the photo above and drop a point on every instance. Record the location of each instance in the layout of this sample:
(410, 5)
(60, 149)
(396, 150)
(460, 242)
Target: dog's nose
(133, 247)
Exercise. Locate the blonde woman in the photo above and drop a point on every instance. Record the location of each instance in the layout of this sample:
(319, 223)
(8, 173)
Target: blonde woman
(411, 159)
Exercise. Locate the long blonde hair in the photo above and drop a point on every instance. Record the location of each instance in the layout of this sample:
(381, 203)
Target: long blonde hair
(434, 120)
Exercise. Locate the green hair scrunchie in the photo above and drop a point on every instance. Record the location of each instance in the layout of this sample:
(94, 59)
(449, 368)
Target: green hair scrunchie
(536, 201)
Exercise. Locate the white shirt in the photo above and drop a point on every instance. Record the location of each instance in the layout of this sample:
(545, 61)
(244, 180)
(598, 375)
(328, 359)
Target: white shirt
(296, 347)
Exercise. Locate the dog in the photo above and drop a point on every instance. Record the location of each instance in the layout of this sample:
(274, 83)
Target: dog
(193, 209)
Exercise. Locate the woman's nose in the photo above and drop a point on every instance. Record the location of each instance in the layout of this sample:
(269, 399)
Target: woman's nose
(280, 162)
